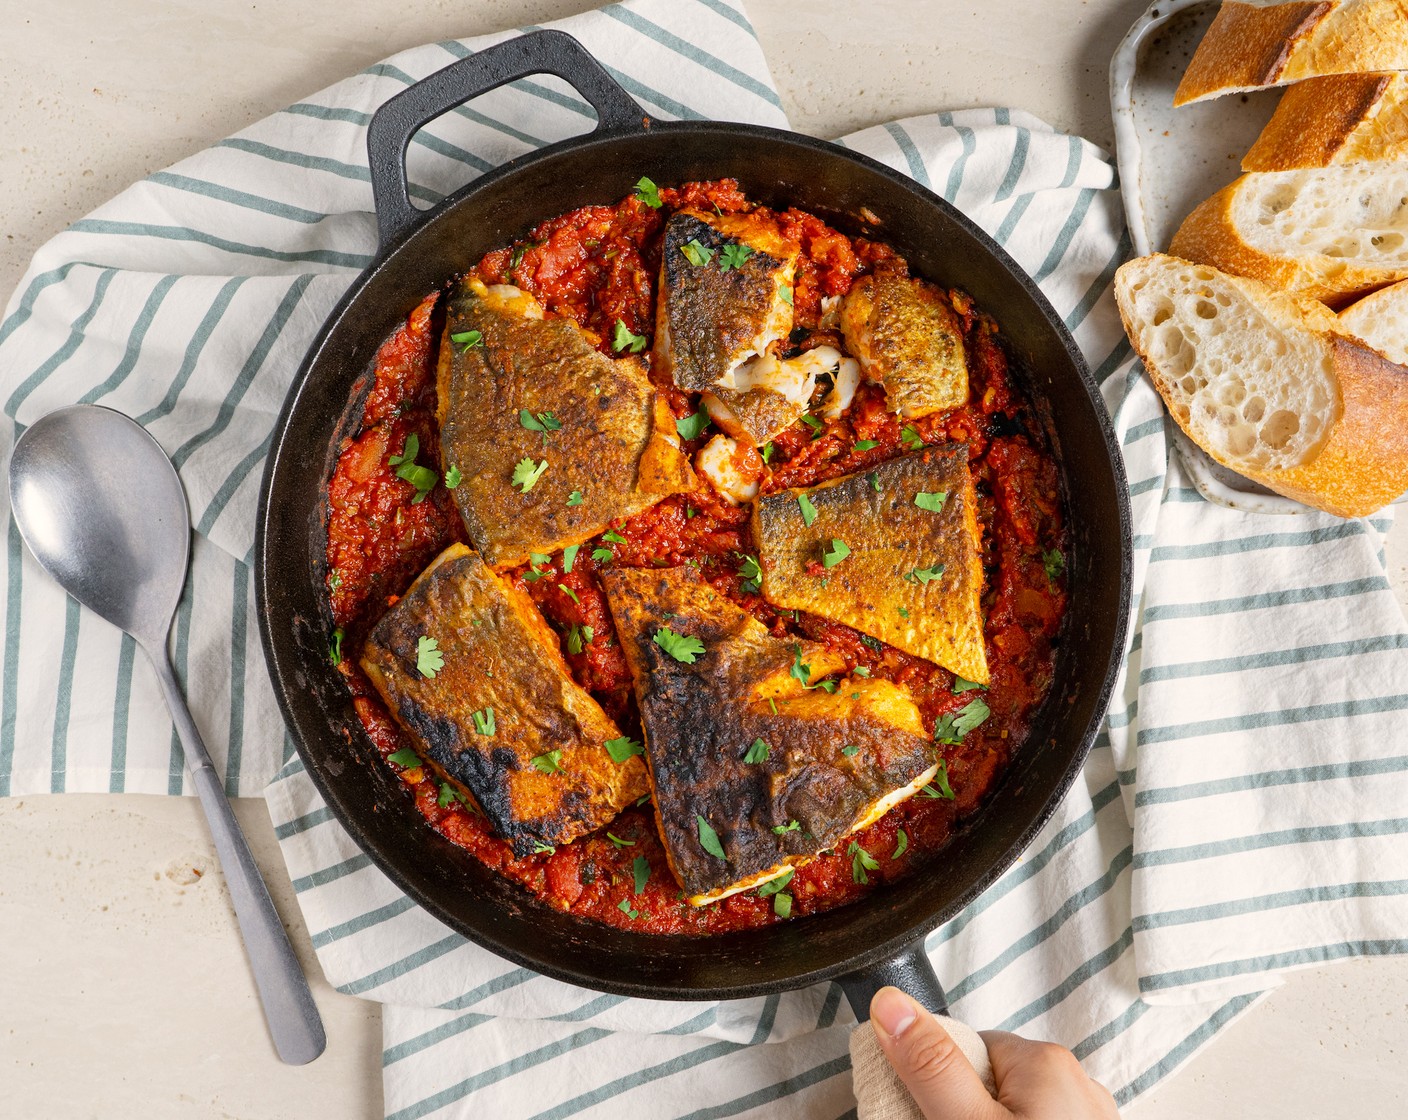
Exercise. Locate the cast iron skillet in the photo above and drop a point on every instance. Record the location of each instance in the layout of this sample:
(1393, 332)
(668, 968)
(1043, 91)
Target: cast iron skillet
(863, 946)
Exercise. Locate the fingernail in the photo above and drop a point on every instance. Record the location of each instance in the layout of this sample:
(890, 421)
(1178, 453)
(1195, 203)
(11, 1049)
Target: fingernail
(893, 1011)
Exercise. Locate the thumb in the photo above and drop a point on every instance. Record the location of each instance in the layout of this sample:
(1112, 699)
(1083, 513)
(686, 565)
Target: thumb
(941, 1080)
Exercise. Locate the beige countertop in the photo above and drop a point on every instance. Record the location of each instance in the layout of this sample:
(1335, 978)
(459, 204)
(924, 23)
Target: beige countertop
(125, 991)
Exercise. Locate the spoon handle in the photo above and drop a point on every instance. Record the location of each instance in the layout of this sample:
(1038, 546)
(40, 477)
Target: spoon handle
(293, 1018)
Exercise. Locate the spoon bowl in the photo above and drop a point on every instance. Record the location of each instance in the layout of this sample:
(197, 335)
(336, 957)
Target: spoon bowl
(103, 511)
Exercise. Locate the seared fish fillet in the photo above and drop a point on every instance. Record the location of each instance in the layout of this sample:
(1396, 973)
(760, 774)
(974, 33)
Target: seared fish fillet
(913, 576)
(907, 338)
(502, 664)
(715, 319)
(704, 721)
(601, 429)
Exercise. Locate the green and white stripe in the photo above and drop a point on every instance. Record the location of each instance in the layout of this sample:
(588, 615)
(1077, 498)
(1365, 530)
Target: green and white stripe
(1241, 815)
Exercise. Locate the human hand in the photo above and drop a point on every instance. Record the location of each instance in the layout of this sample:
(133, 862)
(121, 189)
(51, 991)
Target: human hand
(1035, 1080)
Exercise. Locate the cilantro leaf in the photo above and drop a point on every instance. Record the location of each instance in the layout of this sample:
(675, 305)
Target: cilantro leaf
(808, 510)
(613, 536)
(692, 425)
(484, 721)
(623, 339)
(838, 551)
(934, 502)
(578, 637)
(640, 870)
(1055, 564)
(901, 844)
(446, 795)
(782, 905)
(709, 839)
(945, 791)
(803, 672)
(865, 444)
(335, 648)
(409, 450)
(549, 762)
(790, 826)
(758, 752)
(682, 647)
(961, 685)
(535, 571)
(616, 840)
(526, 475)
(517, 258)
(733, 256)
(429, 659)
(872, 643)
(626, 908)
(422, 478)
(622, 748)
(541, 849)
(468, 339)
(648, 193)
(850, 750)
(772, 886)
(950, 729)
(861, 862)
(766, 452)
(569, 593)
(815, 424)
(696, 253)
(453, 477)
(603, 555)
(405, 758)
(752, 575)
(574, 498)
(874, 478)
(911, 438)
(923, 576)
(569, 556)
(786, 293)
(544, 422)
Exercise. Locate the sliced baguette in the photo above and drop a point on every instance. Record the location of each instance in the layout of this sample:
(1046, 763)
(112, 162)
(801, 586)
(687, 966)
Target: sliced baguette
(1344, 118)
(1251, 46)
(1381, 320)
(1267, 384)
(1331, 233)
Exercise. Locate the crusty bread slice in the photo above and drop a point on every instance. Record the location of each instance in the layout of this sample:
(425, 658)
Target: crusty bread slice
(1267, 384)
(1331, 233)
(1274, 42)
(1381, 320)
(1343, 118)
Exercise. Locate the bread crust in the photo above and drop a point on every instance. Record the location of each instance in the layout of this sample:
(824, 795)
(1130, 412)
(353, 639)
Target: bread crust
(1377, 321)
(1362, 464)
(1209, 235)
(1250, 46)
(1342, 118)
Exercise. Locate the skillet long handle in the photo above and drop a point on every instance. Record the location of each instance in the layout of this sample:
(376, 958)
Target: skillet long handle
(400, 118)
(909, 970)
(294, 1022)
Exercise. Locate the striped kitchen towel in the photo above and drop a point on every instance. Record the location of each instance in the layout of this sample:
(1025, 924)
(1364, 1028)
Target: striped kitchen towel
(1239, 816)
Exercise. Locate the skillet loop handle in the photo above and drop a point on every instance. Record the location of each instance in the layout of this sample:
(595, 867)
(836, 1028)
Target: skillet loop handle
(400, 118)
(908, 970)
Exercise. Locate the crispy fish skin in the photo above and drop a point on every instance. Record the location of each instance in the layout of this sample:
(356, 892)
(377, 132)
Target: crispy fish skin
(889, 538)
(701, 719)
(617, 442)
(499, 653)
(709, 320)
(907, 337)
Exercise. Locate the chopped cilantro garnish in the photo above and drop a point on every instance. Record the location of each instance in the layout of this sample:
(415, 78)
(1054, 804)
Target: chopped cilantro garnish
(453, 477)
(696, 253)
(619, 842)
(790, 826)
(861, 862)
(484, 721)
(526, 475)
(422, 478)
(1055, 564)
(517, 258)
(709, 839)
(838, 551)
(613, 536)
(578, 637)
(692, 425)
(648, 193)
(603, 555)
(904, 612)
(569, 593)
(961, 685)
(682, 647)
(861, 671)
(803, 672)
(640, 870)
(766, 452)
(872, 643)
(467, 339)
(814, 423)
(541, 849)
(429, 659)
(808, 510)
(544, 422)
(623, 339)
(752, 575)
(901, 844)
(733, 256)
(923, 576)
(626, 908)
(866, 444)
(335, 648)
(786, 293)
(548, 763)
(622, 748)
(334, 580)
(405, 758)
(772, 886)
(911, 438)
(409, 451)
(535, 571)
(944, 791)
(758, 752)
(950, 729)
(874, 477)
(782, 905)
(569, 556)
(574, 498)
(446, 795)
(850, 750)
(934, 502)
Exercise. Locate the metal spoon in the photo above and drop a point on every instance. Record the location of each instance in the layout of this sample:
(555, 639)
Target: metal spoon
(101, 507)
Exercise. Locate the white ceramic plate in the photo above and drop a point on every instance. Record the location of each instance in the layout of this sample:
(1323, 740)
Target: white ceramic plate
(1172, 159)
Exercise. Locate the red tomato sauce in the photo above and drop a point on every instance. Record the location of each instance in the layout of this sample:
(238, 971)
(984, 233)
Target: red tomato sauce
(598, 265)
